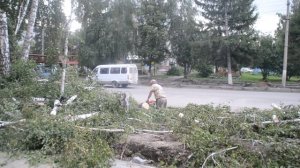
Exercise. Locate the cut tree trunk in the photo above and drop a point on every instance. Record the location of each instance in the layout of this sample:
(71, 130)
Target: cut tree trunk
(158, 148)
(4, 45)
(30, 27)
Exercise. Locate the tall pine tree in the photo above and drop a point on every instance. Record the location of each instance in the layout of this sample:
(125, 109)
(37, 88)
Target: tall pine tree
(294, 42)
(233, 20)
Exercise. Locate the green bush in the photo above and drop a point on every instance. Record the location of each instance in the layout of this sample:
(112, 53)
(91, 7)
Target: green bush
(174, 71)
(22, 72)
(55, 135)
(86, 149)
(204, 70)
(22, 83)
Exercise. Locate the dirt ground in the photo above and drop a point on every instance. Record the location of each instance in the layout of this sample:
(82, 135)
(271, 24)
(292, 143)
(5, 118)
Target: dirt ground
(22, 162)
(17, 162)
(137, 151)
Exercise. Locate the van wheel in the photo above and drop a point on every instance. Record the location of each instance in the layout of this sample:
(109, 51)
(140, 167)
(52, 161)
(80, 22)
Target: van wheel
(124, 85)
(115, 84)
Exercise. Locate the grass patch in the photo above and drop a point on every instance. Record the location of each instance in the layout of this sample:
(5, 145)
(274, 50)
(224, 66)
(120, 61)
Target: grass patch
(249, 77)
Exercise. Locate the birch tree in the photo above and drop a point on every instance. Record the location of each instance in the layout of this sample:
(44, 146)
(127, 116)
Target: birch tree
(4, 44)
(30, 27)
(21, 15)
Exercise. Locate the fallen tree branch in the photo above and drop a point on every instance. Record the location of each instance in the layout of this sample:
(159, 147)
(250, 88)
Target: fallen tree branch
(8, 123)
(153, 131)
(135, 119)
(215, 153)
(123, 130)
(70, 101)
(281, 122)
(103, 129)
(81, 116)
(123, 150)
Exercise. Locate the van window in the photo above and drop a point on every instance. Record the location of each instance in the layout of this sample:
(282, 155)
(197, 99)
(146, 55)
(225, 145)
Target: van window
(114, 70)
(104, 70)
(124, 71)
(95, 71)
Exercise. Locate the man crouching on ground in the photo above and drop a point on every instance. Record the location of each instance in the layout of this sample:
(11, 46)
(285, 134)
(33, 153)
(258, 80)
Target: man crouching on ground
(161, 99)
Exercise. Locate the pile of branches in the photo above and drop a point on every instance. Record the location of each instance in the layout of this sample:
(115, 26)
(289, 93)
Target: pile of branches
(251, 138)
(83, 128)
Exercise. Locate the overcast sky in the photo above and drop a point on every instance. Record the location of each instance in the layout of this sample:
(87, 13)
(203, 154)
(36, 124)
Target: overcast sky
(267, 19)
(266, 23)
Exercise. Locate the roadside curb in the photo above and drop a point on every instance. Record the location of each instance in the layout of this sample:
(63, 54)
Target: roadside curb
(228, 87)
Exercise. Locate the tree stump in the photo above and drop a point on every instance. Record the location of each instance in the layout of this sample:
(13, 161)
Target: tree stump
(158, 148)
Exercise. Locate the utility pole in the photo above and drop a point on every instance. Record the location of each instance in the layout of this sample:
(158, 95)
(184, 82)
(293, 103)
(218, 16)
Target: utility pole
(286, 44)
(229, 73)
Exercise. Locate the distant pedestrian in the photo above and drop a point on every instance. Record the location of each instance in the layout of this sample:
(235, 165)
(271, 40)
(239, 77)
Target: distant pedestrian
(159, 94)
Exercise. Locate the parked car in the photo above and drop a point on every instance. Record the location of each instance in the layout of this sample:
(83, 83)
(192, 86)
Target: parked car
(256, 71)
(45, 72)
(246, 69)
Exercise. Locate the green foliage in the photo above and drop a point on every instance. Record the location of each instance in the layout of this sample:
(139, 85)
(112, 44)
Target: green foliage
(152, 30)
(107, 36)
(294, 43)
(86, 149)
(10, 109)
(249, 77)
(52, 22)
(239, 45)
(293, 49)
(205, 70)
(266, 58)
(22, 72)
(183, 32)
(55, 135)
(207, 130)
(174, 71)
(22, 83)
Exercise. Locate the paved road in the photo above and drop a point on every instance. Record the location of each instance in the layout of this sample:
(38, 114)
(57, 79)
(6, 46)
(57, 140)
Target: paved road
(180, 97)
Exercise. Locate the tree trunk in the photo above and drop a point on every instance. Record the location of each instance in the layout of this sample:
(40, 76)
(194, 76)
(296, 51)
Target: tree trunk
(30, 27)
(21, 15)
(185, 73)
(66, 50)
(150, 69)
(4, 45)
(265, 75)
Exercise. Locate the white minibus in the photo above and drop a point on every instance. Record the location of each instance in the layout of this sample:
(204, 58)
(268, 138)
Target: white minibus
(116, 74)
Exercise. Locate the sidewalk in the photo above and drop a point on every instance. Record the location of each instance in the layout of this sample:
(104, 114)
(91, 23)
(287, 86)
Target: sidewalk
(180, 82)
